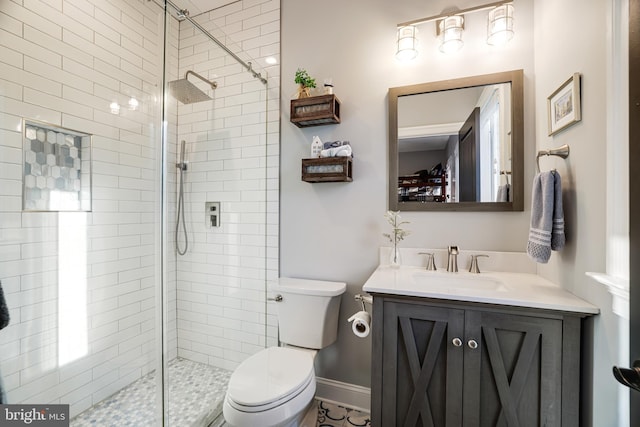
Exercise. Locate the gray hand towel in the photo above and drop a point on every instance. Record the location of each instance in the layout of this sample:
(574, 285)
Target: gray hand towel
(503, 193)
(4, 310)
(557, 232)
(4, 321)
(542, 205)
(3, 393)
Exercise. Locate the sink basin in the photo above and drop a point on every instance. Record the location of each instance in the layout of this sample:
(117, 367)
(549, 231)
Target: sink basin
(493, 287)
(457, 282)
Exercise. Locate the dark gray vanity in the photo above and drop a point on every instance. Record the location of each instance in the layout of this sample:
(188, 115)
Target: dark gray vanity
(464, 349)
(451, 363)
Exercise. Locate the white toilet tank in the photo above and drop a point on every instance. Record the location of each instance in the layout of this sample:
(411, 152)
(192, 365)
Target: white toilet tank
(308, 312)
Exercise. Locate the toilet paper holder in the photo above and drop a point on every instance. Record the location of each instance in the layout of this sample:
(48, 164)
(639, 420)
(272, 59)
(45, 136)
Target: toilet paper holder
(362, 299)
(361, 325)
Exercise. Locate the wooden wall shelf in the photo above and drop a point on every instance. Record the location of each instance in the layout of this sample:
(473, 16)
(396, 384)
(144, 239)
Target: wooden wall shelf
(327, 169)
(315, 111)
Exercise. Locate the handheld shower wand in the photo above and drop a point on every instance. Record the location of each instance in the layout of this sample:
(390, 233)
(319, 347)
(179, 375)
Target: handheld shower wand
(182, 167)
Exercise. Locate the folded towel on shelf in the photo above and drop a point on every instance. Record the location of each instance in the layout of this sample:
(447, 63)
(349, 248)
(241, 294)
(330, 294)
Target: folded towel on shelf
(333, 144)
(341, 151)
(4, 310)
(542, 208)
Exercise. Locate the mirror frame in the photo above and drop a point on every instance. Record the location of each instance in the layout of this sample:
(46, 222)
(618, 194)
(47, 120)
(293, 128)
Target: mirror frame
(514, 77)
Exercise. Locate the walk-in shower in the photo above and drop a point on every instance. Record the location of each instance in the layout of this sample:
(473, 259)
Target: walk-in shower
(187, 93)
(156, 335)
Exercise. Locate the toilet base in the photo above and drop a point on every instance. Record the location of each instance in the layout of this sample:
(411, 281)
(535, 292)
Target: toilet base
(290, 414)
(307, 418)
(311, 415)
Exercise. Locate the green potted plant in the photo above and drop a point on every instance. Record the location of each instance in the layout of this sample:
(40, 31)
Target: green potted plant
(305, 83)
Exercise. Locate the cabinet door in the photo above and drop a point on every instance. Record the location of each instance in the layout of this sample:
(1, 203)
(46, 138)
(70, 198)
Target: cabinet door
(422, 368)
(513, 377)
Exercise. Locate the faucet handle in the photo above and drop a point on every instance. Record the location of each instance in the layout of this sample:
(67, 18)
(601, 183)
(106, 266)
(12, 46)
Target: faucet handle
(431, 264)
(474, 263)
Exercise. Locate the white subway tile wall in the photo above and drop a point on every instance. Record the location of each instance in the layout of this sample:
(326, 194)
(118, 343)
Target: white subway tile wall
(83, 318)
(65, 62)
(232, 148)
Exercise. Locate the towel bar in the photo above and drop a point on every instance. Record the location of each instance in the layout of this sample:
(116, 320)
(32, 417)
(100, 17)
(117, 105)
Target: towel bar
(562, 151)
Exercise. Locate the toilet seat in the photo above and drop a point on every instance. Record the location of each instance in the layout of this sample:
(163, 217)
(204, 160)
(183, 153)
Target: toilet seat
(270, 378)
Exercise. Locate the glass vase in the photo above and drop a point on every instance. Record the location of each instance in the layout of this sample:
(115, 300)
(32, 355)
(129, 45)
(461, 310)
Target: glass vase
(394, 257)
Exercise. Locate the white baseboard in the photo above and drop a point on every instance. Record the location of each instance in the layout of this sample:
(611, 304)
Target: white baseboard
(344, 394)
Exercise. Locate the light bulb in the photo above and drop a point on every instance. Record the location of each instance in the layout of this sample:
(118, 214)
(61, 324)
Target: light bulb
(407, 43)
(500, 25)
(450, 31)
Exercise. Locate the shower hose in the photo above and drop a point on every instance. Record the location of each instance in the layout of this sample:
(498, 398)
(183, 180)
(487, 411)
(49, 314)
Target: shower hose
(180, 214)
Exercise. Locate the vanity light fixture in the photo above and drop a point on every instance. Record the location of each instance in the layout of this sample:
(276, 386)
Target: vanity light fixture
(450, 27)
(449, 32)
(407, 43)
(500, 25)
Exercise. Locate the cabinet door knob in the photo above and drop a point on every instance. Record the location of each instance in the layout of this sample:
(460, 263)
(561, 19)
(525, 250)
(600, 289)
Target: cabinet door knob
(457, 342)
(472, 344)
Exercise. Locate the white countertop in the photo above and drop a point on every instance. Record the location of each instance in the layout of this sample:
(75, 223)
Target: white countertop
(514, 289)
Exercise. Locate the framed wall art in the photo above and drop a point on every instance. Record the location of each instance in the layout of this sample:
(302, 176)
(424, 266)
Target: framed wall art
(56, 168)
(563, 105)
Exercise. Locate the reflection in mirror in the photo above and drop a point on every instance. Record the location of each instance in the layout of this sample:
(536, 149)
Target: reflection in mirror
(457, 144)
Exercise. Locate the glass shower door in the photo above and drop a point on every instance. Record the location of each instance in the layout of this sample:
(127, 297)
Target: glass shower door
(217, 222)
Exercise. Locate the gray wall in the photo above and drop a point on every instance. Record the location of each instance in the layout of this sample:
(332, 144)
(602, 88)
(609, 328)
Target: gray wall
(584, 177)
(332, 231)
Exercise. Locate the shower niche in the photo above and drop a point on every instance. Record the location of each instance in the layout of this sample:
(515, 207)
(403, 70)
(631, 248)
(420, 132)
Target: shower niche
(56, 168)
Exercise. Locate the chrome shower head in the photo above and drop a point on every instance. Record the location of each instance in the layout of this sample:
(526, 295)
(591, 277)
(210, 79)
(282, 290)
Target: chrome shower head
(188, 93)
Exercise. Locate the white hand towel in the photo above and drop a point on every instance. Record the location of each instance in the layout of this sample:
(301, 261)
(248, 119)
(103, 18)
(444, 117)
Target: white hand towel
(542, 206)
(557, 231)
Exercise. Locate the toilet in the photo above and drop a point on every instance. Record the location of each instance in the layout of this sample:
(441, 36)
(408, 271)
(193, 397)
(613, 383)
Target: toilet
(275, 387)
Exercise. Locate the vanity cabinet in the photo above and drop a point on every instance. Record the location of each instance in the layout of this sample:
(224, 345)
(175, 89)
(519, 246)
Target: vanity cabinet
(449, 363)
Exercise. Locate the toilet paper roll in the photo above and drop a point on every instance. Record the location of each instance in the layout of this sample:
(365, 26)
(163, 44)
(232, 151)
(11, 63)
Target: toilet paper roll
(361, 325)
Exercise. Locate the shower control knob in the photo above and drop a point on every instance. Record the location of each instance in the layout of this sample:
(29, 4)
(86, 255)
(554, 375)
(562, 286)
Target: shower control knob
(457, 342)
(472, 344)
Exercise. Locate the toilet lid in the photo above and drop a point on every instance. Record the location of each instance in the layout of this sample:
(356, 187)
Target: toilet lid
(269, 375)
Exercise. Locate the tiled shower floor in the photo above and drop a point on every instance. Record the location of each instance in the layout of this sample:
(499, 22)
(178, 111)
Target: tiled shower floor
(196, 392)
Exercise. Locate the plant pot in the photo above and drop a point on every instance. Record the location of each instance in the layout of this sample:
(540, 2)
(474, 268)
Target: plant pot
(304, 92)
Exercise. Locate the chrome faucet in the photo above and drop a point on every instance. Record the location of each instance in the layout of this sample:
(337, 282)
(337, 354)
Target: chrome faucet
(452, 260)
(431, 264)
(474, 264)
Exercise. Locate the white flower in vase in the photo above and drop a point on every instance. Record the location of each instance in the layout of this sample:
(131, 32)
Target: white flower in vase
(397, 235)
